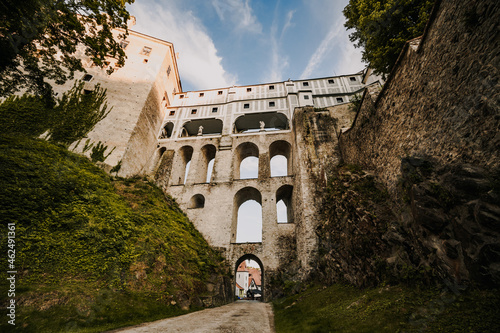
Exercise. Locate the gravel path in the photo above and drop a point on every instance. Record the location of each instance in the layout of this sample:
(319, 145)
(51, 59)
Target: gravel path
(237, 317)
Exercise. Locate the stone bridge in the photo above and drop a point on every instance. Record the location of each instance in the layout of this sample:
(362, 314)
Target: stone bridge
(206, 138)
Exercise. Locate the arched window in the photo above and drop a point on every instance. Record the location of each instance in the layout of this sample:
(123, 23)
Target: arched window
(247, 161)
(280, 154)
(206, 162)
(247, 216)
(167, 130)
(182, 165)
(249, 168)
(265, 121)
(284, 210)
(200, 127)
(197, 201)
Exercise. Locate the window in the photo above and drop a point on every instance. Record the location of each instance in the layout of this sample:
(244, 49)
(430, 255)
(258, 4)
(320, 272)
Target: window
(246, 106)
(124, 44)
(214, 110)
(145, 61)
(305, 84)
(219, 92)
(171, 113)
(181, 96)
(249, 89)
(331, 81)
(352, 78)
(87, 77)
(169, 69)
(193, 111)
(340, 100)
(202, 94)
(146, 50)
(271, 87)
(197, 201)
(272, 104)
(306, 96)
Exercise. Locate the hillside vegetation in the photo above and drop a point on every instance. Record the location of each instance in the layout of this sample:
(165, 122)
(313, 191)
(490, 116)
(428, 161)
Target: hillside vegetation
(94, 252)
(364, 280)
(344, 308)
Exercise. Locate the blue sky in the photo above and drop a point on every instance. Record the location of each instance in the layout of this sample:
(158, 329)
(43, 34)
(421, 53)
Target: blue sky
(240, 42)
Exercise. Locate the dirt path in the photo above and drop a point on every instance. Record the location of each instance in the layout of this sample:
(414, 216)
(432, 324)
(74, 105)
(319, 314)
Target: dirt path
(241, 316)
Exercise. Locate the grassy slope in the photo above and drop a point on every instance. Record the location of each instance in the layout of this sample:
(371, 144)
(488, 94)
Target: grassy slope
(341, 308)
(93, 253)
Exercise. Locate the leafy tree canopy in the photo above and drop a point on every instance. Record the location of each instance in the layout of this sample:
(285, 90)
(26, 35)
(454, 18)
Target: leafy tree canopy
(39, 40)
(69, 119)
(381, 27)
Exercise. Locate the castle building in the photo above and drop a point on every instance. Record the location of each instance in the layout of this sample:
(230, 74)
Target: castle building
(137, 94)
(207, 138)
(196, 145)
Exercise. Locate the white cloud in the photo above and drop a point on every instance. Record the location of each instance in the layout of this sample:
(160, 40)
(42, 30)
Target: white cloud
(336, 53)
(199, 63)
(288, 22)
(278, 62)
(240, 13)
(349, 57)
(322, 51)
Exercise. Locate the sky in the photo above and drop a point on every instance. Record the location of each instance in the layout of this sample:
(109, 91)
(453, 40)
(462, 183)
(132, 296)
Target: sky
(242, 42)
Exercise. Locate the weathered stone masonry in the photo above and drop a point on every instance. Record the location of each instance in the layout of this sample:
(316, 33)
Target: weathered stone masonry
(228, 125)
(432, 137)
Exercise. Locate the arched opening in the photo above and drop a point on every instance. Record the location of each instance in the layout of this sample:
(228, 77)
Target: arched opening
(279, 166)
(280, 154)
(182, 164)
(201, 127)
(249, 168)
(197, 201)
(161, 151)
(284, 210)
(247, 216)
(247, 161)
(158, 157)
(249, 279)
(167, 130)
(265, 121)
(206, 162)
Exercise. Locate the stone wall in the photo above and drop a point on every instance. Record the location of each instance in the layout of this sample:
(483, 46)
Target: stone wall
(441, 100)
(432, 137)
(316, 156)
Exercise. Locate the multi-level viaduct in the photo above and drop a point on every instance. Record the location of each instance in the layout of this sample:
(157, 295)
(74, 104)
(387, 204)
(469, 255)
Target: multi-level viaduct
(208, 134)
(441, 100)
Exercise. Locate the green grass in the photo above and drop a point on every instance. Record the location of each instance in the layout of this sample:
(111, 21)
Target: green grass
(93, 252)
(342, 308)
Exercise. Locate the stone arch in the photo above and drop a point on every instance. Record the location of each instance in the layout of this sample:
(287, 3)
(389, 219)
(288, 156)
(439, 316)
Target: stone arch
(210, 126)
(197, 201)
(243, 151)
(241, 197)
(157, 159)
(252, 122)
(284, 195)
(276, 149)
(253, 257)
(182, 165)
(205, 163)
(167, 130)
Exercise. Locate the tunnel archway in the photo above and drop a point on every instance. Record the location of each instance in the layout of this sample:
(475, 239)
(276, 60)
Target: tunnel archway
(254, 258)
